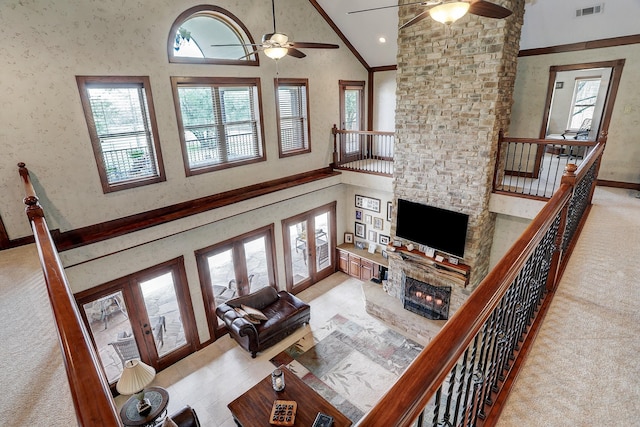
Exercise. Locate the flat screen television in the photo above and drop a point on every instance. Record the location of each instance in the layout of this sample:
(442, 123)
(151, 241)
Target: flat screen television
(440, 229)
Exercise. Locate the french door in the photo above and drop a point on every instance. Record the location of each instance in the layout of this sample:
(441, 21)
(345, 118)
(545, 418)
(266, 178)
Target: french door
(235, 267)
(147, 315)
(309, 244)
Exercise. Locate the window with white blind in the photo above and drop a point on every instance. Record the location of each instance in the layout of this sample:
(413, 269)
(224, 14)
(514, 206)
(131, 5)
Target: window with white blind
(219, 121)
(292, 109)
(123, 130)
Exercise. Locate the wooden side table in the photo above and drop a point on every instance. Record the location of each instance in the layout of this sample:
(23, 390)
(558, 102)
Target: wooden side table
(159, 399)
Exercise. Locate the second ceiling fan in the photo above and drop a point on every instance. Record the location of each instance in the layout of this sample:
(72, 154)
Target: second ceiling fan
(277, 45)
(447, 12)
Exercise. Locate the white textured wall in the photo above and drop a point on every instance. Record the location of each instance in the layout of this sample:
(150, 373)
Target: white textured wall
(384, 101)
(46, 43)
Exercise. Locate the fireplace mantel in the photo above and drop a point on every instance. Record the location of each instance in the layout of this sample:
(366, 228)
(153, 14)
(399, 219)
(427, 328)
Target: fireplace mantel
(457, 273)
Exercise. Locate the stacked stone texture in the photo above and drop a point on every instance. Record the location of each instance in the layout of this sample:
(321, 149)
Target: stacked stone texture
(454, 94)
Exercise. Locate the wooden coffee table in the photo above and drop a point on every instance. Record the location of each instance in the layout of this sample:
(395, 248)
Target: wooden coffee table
(253, 408)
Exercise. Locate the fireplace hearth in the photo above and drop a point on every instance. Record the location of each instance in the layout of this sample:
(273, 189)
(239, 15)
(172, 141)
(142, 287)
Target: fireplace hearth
(426, 300)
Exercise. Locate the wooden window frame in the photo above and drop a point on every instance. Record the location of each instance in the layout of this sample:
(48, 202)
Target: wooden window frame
(304, 117)
(223, 15)
(84, 83)
(216, 83)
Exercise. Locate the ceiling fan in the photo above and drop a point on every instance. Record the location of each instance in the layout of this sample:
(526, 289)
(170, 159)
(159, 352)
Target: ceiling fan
(447, 12)
(277, 45)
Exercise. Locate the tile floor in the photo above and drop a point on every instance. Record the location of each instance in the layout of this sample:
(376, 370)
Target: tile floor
(212, 377)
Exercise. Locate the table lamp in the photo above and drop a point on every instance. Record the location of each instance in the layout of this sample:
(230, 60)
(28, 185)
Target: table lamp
(135, 377)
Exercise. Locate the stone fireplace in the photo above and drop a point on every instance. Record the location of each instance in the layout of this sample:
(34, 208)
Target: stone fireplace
(426, 300)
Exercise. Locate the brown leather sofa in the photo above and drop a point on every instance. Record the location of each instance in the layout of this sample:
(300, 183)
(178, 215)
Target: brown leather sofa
(285, 313)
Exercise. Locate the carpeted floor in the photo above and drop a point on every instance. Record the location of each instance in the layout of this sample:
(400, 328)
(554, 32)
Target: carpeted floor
(350, 364)
(32, 368)
(583, 369)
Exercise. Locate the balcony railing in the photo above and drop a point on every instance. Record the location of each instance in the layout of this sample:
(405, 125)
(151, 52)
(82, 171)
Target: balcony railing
(363, 151)
(533, 168)
(462, 377)
(89, 388)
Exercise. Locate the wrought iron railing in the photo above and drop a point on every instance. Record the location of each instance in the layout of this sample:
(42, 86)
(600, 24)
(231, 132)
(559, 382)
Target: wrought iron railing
(456, 380)
(363, 151)
(470, 365)
(533, 168)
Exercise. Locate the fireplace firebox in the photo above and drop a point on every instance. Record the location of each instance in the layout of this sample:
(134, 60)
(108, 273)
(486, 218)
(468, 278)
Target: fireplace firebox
(426, 300)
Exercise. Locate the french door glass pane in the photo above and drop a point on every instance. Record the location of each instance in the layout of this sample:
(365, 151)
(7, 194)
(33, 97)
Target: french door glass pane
(223, 276)
(298, 246)
(109, 322)
(161, 302)
(255, 252)
(323, 254)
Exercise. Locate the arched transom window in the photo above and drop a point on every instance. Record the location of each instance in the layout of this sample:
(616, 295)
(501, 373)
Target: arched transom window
(197, 34)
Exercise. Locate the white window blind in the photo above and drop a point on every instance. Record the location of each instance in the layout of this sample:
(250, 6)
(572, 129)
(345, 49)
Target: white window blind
(292, 116)
(119, 114)
(220, 123)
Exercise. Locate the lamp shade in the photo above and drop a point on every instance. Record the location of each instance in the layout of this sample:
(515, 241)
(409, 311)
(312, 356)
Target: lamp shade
(448, 13)
(135, 377)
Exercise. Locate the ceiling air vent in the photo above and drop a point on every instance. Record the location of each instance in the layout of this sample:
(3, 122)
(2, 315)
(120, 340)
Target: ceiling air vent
(591, 10)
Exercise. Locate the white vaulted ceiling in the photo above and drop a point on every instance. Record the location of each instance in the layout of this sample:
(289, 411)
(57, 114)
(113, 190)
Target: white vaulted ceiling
(546, 23)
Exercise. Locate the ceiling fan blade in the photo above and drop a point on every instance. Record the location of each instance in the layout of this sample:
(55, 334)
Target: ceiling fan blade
(415, 19)
(488, 10)
(295, 53)
(311, 45)
(423, 3)
(248, 55)
(234, 45)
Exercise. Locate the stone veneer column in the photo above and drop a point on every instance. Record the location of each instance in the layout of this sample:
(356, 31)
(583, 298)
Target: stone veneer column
(454, 94)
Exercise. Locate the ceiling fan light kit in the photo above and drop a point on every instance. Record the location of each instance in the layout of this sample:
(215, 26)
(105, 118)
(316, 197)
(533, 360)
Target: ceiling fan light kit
(275, 52)
(448, 13)
(277, 45)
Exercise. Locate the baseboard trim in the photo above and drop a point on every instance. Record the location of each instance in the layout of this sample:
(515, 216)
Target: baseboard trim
(618, 184)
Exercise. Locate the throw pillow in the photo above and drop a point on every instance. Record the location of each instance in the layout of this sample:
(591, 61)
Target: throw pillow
(168, 422)
(254, 312)
(247, 316)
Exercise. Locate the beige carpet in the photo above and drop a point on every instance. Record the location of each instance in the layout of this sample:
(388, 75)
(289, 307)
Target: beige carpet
(584, 368)
(33, 381)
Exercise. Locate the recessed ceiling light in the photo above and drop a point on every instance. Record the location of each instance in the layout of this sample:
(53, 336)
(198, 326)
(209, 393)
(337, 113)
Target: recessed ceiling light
(382, 40)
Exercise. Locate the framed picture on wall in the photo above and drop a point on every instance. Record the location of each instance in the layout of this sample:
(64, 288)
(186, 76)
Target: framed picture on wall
(348, 237)
(360, 230)
(358, 214)
(368, 219)
(384, 240)
(378, 223)
(368, 203)
(373, 236)
(389, 210)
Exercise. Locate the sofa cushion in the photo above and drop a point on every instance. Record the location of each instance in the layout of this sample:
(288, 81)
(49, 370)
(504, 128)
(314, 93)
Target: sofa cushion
(259, 299)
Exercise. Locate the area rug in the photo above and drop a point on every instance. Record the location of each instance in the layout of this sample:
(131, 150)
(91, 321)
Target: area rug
(351, 363)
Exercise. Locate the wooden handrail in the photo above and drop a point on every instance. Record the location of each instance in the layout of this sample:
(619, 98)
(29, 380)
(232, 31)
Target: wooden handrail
(89, 388)
(407, 398)
(335, 130)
